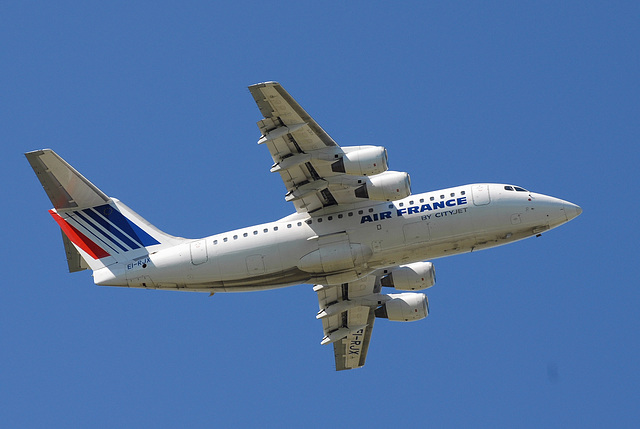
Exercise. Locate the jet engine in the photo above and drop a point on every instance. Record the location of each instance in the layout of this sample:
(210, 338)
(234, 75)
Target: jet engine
(404, 307)
(362, 161)
(387, 186)
(416, 276)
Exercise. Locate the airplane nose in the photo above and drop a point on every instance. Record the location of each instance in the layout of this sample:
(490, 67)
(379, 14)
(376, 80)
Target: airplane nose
(572, 210)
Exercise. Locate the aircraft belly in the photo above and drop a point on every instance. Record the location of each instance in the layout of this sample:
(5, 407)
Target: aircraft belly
(264, 264)
(290, 277)
(277, 280)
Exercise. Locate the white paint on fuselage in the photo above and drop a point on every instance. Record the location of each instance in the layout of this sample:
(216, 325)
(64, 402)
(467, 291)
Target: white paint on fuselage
(266, 256)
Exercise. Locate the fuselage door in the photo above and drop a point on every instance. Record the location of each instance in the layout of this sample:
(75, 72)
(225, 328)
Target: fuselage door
(255, 265)
(198, 252)
(480, 195)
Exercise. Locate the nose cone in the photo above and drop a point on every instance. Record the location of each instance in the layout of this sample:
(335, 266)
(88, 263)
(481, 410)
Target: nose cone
(571, 210)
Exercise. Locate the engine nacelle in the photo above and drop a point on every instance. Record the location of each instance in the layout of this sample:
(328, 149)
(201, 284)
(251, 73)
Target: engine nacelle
(404, 307)
(416, 276)
(387, 186)
(362, 161)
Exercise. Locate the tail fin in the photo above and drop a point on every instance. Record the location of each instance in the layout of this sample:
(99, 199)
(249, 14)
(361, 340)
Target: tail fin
(97, 231)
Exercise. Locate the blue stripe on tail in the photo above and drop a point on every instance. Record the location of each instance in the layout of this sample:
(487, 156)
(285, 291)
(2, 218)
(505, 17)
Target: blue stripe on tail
(105, 236)
(118, 219)
(112, 230)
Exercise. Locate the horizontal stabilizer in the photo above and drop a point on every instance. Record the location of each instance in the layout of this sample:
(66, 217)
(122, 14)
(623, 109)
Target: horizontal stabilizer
(74, 259)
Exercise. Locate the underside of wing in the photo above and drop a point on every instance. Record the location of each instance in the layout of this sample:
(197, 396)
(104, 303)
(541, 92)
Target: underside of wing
(280, 109)
(348, 310)
(315, 170)
(347, 323)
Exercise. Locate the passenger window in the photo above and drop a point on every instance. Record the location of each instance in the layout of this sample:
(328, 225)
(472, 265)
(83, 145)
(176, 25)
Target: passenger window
(371, 210)
(309, 221)
(235, 237)
(360, 212)
(255, 232)
(421, 200)
(401, 204)
(432, 198)
(462, 193)
(410, 203)
(265, 230)
(288, 225)
(299, 223)
(275, 228)
(340, 216)
(330, 218)
(215, 241)
(390, 206)
(225, 239)
(245, 235)
(453, 194)
(442, 197)
(319, 219)
(350, 213)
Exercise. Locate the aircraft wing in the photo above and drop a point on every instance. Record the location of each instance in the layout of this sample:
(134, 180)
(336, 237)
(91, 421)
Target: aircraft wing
(346, 324)
(315, 170)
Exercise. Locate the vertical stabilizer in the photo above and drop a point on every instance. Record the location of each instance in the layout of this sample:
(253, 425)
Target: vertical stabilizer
(98, 231)
(65, 187)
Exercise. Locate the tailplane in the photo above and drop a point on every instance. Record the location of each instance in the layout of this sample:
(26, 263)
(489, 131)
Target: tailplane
(97, 230)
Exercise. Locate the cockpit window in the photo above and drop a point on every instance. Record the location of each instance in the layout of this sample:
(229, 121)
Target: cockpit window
(516, 188)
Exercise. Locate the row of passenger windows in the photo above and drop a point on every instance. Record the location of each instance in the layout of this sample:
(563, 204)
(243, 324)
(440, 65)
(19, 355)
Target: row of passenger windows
(330, 218)
(255, 232)
(442, 197)
(391, 206)
(515, 188)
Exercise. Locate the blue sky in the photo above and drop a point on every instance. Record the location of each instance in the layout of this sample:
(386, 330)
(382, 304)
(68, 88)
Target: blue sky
(149, 101)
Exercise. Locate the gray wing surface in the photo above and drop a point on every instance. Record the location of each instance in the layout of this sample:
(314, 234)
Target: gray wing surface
(309, 161)
(345, 323)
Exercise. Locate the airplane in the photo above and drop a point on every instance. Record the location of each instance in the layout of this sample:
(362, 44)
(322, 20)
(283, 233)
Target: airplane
(356, 229)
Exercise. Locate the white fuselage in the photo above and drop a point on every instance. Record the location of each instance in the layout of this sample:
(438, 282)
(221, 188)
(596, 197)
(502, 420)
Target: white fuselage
(341, 246)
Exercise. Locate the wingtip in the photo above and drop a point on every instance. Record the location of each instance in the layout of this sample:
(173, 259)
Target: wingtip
(263, 84)
(37, 152)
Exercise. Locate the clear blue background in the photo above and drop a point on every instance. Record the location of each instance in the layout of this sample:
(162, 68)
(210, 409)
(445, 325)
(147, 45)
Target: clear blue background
(149, 101)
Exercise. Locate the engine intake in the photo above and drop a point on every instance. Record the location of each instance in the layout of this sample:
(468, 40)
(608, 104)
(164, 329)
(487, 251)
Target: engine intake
(362, 161)
(404, 307)
(416, 276)
(387, 186)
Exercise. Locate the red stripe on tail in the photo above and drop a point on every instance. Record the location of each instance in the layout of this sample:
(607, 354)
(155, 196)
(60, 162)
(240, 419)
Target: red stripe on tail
(79, 239)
